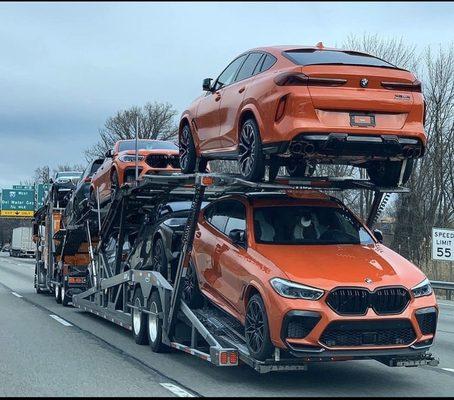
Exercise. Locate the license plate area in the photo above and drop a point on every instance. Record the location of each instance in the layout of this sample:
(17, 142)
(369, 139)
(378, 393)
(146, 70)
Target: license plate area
(362, 119)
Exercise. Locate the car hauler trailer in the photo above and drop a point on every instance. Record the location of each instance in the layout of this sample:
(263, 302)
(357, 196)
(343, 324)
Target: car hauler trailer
(55, 272)
(143, 301)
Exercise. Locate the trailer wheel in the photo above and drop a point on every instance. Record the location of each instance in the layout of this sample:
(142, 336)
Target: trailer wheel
(155, 324)
(57, 293)
(65, 299)
(191, 291)
(256, 329)
(139, 319)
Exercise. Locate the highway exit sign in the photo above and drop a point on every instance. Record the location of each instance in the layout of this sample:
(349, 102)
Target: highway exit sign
(17, 202)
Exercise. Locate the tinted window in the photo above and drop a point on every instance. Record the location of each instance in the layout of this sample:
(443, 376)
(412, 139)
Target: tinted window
(311, 57)
(94, 167)
(307, 225)
(248, 67)
(268, 62)
(227, 215)
(146, 145)
(228, 75)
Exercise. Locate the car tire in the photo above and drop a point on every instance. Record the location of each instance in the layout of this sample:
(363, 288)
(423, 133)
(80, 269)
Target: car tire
(65, 299)
(159, 258)
(188, 155)
(298, 169)
(57, 294)
(155, 324)
(139, 320)
(273, 170)
(256, 329)
(191, 293)
(387, 173)
(251, 161)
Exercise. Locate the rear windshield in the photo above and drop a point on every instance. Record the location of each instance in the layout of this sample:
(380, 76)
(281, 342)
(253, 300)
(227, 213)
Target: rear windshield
(301, 225)
(317, 57)
(147, 145)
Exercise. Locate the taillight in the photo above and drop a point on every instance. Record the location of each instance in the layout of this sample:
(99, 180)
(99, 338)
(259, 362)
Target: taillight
(297, 79)
(408, 87)
(280, 108)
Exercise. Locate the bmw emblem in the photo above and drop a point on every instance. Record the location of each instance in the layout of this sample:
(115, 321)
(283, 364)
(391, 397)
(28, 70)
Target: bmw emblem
(364, 82)
(368, 280)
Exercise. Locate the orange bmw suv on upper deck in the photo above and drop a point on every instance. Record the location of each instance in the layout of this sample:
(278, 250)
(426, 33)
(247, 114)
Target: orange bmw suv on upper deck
(299, 106)
(119, 166)
(305, 275)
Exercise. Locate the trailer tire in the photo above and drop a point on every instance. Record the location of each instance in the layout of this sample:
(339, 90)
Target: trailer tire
(65, 299)
(191, 294)
(155, 324)
(57, 293)
(256, 329)
(139, 319)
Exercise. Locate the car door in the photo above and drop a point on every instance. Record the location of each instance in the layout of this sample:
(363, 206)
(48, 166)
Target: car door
(207, 119)
(231, 100)
(101, 178)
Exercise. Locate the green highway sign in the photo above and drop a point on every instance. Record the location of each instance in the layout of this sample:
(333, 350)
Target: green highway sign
(23, 187)
(17, 202)
(41, 191)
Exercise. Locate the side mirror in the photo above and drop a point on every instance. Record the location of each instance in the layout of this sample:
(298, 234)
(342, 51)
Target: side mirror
(378, 235)
(109, 153)
(206, 85)
(51, 181)
(238, 237)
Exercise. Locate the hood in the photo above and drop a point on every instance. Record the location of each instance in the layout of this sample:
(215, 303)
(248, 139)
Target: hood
(329, 266)
(148, 152)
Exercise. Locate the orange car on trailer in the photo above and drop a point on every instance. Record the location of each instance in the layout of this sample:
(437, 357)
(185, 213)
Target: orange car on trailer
(301, 106)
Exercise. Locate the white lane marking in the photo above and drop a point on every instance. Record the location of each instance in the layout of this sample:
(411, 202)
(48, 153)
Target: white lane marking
(176, 390)
(449, 369)
(61, 320)
(16, 294)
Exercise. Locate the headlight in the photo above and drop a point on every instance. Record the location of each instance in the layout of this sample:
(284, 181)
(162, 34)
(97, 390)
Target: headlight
(423, 289)
(174, 222)
(130, 158)
(293, 290)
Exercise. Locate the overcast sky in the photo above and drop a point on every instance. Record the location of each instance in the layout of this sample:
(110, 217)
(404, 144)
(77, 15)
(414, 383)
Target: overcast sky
(65, 68)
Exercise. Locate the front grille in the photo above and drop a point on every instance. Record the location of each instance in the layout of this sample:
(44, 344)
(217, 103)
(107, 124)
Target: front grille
(163, 161)
(427, 320)
(356, 301)
(390, 300)
(368, 333)
(349, 301)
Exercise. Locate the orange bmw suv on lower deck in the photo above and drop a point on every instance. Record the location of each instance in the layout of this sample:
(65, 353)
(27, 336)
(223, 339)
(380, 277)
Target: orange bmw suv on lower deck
(305, 275)
(119, 166)
(299, 106)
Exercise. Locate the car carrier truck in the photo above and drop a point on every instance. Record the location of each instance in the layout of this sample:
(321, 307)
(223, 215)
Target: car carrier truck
(140, 299)
(22, 243)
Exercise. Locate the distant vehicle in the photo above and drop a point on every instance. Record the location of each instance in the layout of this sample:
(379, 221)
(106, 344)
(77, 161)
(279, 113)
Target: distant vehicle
(155, 156)
(62, 184)
(22, 244)
(78, 201)
(164, 237)
(300, 106)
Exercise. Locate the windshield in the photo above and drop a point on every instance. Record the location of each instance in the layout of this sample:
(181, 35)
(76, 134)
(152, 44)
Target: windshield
(307, 225)
(147, 145)
(314, 57)
(69, 174)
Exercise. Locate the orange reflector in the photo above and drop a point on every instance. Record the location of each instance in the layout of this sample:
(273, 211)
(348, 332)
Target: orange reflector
(233, 357)
(223, 357)
(207, 180)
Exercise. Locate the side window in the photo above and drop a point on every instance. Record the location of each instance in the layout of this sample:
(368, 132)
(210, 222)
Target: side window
(228, 75)
(248, 66)
(237, 217)
(268, 62)
(216, 215)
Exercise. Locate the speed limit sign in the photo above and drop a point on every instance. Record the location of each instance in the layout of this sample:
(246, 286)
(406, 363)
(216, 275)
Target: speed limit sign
(442, 244)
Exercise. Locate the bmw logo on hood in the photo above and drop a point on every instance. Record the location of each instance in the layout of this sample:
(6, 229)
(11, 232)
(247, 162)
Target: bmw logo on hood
(368, 280)
(364, 82)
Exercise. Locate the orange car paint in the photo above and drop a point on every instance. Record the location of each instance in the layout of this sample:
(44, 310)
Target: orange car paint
(228, 274)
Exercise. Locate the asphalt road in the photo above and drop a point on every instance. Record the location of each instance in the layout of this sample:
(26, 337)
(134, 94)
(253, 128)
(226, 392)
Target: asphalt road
(47, 349)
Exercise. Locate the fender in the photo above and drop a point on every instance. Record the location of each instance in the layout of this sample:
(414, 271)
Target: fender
(249, 105)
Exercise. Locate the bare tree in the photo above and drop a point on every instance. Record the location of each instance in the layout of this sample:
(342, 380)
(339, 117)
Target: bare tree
(155, 121)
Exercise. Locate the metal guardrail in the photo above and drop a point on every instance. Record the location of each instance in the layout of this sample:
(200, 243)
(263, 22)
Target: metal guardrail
(442, 285)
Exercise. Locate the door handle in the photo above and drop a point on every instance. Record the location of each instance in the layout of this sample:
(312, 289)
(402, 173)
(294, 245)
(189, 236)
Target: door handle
(218, 248)
(242, 89)
(198, 234)
(218, 96)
